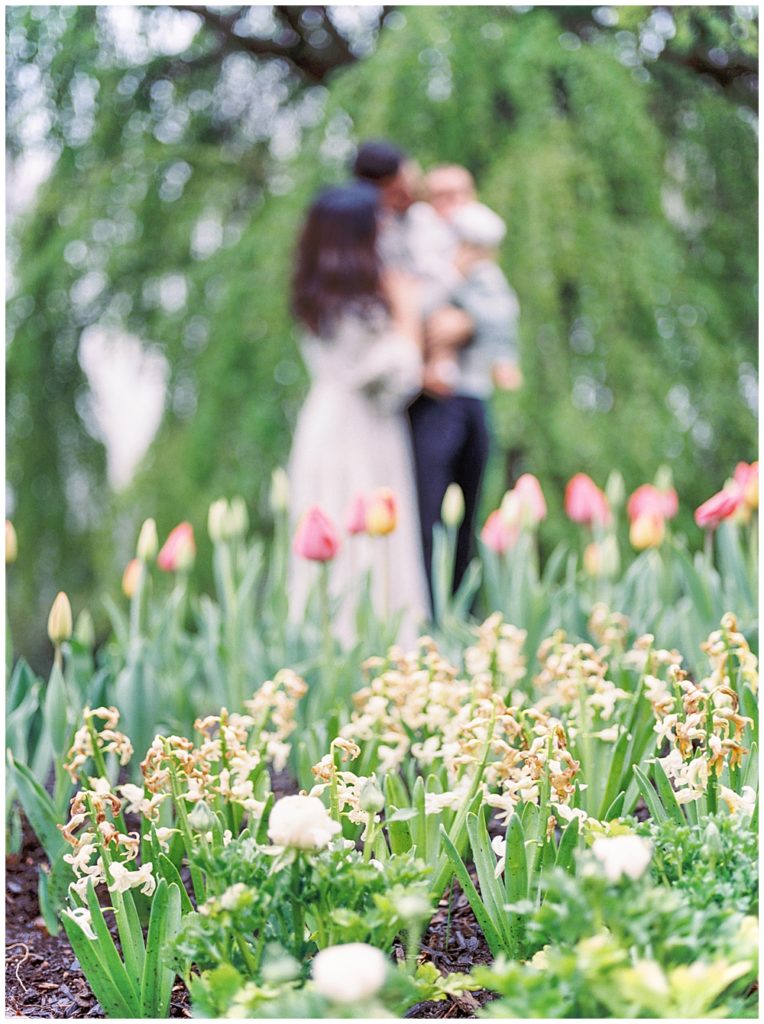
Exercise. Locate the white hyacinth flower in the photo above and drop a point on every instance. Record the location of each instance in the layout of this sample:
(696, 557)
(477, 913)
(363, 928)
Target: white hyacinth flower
(124, 879)
(301, 822)
(81, 916)
(622, 855)
(349, 973)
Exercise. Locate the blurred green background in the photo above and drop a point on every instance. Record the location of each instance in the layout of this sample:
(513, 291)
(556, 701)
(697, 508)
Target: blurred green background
(178, 148)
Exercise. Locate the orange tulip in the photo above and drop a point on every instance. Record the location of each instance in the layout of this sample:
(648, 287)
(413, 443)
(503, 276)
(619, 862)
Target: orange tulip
(130, 577)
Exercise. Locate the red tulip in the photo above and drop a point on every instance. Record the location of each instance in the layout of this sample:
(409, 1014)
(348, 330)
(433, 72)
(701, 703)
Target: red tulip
(648, 500)
(496, 534)
(356, 519)
(532, 503)
(179, 550)
(316, 538)
(721, 506)
(585, 502)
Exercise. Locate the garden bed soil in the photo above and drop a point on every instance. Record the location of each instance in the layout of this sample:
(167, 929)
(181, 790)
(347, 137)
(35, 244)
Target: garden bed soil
(43, 977)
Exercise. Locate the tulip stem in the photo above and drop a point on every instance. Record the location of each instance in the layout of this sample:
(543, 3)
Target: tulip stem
(328, 642)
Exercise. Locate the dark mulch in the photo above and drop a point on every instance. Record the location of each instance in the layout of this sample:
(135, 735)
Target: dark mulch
(43, 978)
(454, 942)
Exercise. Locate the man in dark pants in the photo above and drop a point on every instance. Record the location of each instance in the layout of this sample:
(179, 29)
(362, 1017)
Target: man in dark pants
(448, 420)
(450, 438)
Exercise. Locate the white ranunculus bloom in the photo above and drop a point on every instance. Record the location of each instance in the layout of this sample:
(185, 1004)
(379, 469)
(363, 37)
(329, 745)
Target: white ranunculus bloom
(349, 973)
(622, 855)
(301, 822)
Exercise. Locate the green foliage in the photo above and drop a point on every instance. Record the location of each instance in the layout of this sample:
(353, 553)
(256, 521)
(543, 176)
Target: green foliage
(627, 181)
(629, 948)
(715, 861)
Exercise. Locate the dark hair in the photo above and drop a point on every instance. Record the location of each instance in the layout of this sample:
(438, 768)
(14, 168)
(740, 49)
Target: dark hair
(377, 160)
(336, 262)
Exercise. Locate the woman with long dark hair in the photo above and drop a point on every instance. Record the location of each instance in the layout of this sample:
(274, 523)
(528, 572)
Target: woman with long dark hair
(363, 352)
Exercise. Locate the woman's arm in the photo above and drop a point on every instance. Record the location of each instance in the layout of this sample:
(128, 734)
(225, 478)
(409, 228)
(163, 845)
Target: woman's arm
(402, 293)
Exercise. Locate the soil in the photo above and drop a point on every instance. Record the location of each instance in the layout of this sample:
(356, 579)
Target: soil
(43, 977)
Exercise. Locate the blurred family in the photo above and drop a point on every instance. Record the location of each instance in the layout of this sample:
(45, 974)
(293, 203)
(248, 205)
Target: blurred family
(408, 325)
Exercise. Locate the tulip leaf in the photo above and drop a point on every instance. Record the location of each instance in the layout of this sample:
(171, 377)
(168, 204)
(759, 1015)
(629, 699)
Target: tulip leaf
(490, 932)
(654, 806)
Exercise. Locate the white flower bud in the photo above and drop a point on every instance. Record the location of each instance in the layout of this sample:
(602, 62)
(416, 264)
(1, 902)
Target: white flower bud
(622, 855)
(238, 517)
(372, 800)
(84, 630)
(279, 491)
(301, 822)
(349, 973)
(60, 619)
(216, 520)
(202, 818)
(452, 509)
(148, 541)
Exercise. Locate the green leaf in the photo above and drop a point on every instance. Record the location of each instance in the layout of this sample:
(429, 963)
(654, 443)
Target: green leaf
(115, 1001)
(667, 795)
(170, 873)
(567, 847)
(491, 934)
(39, 809)
(109, 959)
(614, 775)
(157, 982)
(649, 795)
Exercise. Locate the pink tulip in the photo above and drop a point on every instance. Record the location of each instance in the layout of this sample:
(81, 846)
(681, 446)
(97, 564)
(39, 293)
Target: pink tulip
(747, 479)
(648, 500)
(316, 538)
(585, 502)
(719, 507)
(179, 550)
(532, 503)
(496, 534)
(356, 519)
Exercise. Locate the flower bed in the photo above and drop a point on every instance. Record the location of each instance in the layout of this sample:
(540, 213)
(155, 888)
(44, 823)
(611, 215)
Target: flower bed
(549, 816)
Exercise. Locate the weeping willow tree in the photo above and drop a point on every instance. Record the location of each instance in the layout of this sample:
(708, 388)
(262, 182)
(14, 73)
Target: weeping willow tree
(618, 143)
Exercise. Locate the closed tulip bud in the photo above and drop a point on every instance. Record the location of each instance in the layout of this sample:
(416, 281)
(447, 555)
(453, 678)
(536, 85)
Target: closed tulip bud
(381, 513)
(84, 630)
(497, 535)
(647, 531)
(372, 800)
(316, 538)
(511, 510)
(60, 619)
(148, 542)
(130, 577)
(356, 517)
(452, 509)
(279, 491)
(202, 818)
(238, 517)
(531, 500)
(216, 520)
(179, 550)
(585, 502)
(615, 488)
(11, 543)
(601, 557)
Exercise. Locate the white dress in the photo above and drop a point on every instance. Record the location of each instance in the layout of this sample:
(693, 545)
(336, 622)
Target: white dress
(351, 438)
